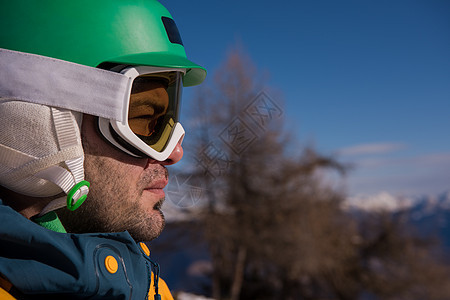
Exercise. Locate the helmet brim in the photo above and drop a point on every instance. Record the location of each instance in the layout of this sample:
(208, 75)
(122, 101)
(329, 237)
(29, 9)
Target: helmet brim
(195, 74)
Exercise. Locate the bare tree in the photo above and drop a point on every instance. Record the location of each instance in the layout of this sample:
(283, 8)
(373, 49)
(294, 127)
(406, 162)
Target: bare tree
(274, 228)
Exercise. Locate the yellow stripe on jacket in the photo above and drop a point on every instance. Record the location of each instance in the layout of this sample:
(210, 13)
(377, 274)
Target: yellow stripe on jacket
(4, 295)
(163, 290)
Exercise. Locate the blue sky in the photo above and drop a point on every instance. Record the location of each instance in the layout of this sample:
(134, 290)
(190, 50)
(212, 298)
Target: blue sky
(368, 81)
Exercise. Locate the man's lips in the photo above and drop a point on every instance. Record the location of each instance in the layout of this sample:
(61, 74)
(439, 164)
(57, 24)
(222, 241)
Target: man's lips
(159, 192)
(156, 187)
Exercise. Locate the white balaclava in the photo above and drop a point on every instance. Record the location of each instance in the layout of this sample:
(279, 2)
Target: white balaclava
(40, 151)
(42, 100)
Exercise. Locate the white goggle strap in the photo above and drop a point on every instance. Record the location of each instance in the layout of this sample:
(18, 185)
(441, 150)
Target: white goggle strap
(57, 83)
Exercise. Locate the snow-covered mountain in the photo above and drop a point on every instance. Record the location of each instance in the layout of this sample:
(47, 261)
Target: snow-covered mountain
(382, 201)
(429, 214)
(184, 258)
(385, 201)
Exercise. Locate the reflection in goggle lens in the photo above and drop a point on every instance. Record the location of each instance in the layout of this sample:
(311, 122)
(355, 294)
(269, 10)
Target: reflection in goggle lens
(153, 107)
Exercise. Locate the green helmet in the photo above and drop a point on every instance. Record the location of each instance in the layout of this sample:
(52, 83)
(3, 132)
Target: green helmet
(93, 32)
(48, 92)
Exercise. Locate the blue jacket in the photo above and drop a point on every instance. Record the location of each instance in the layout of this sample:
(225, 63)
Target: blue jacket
(39, 262)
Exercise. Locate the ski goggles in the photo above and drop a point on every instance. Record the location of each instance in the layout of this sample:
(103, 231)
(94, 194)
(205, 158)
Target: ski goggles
(151, 108)
(137, 106)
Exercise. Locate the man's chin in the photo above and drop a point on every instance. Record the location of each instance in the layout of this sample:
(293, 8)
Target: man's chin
(152, 226)
(159, 204)
(143, 224)
(149, 235)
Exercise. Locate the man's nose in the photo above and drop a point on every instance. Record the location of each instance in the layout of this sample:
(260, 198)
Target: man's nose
(175, 156)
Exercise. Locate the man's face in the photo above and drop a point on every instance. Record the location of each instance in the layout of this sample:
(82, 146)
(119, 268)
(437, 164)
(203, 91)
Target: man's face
(126, 193)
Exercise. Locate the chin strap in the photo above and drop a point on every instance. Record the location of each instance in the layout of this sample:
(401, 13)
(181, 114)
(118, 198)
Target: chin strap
(71, 181)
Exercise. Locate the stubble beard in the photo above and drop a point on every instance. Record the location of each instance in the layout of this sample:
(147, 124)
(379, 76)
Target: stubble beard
(114, 215)
(113, 207)
(93, 217)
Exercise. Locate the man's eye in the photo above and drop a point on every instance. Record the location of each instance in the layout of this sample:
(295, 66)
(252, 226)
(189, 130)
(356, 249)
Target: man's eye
(142, 126)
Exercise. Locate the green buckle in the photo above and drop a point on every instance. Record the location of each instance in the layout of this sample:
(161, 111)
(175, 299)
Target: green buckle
(72, 192)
